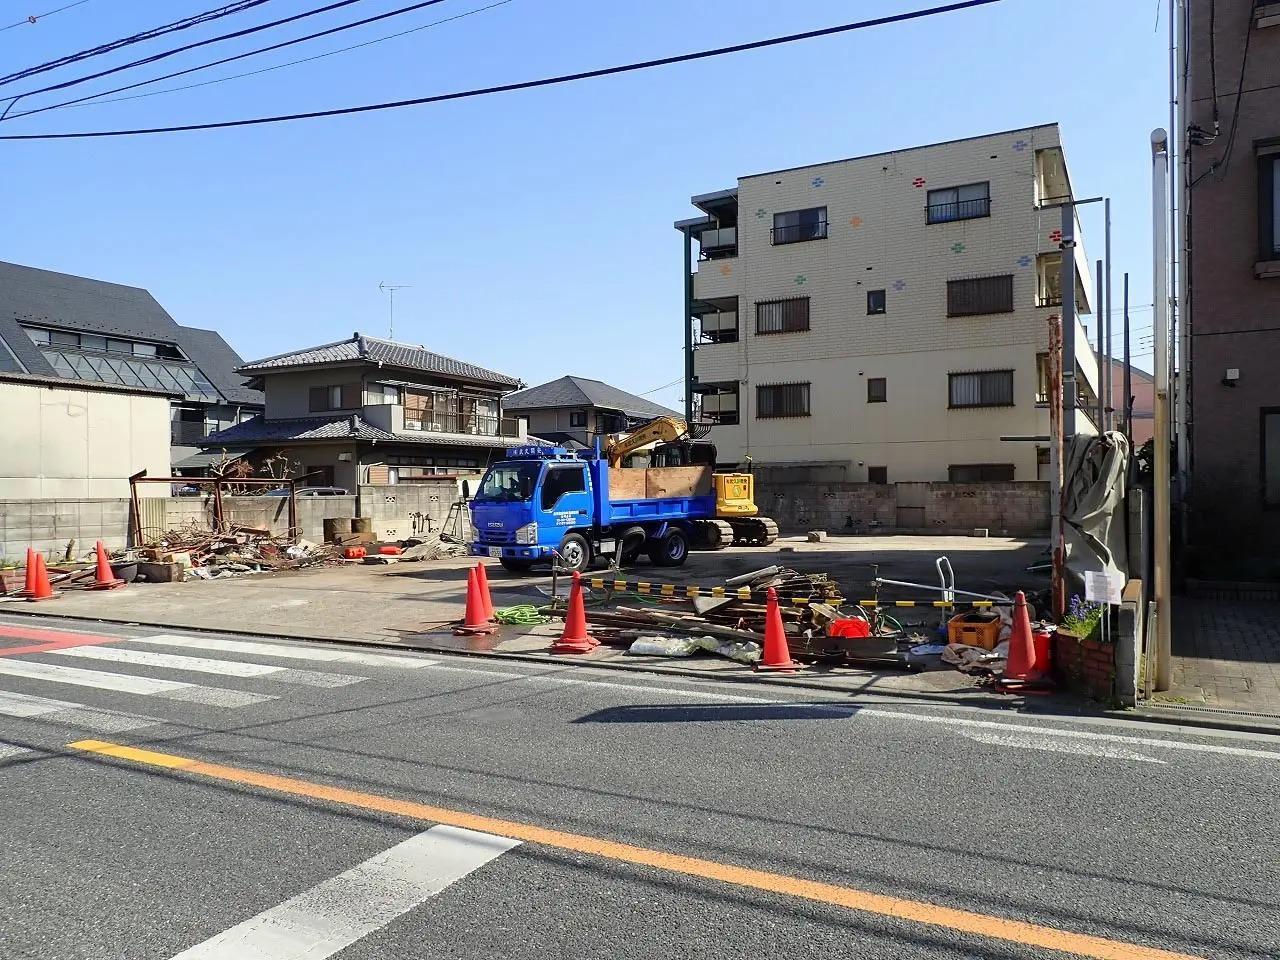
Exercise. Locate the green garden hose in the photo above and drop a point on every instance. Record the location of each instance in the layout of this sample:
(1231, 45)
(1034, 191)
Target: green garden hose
(525, 614)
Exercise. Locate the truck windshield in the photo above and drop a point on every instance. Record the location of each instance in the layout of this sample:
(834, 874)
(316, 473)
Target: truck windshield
(509, 482)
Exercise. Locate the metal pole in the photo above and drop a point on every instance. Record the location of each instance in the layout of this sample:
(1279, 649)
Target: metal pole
(1058, 593)
(1177, 316)
(1160, 486)
(1127, 409)
(1098, 313)
(1108, 405)
(688, 326)
(1068, 282)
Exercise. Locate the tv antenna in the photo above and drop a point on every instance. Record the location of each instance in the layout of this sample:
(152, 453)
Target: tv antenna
(390, 291)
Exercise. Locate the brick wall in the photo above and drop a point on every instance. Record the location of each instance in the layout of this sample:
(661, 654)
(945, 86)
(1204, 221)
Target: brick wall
(1087, 667)
(1016, 508)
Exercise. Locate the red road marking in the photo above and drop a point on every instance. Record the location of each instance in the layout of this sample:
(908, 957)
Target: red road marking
(52, 640)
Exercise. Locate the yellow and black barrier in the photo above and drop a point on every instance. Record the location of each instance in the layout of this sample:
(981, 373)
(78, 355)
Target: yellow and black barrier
(646, 589)
(940, 604)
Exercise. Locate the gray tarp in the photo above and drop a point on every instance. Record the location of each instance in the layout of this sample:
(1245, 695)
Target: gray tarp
(1093, 484)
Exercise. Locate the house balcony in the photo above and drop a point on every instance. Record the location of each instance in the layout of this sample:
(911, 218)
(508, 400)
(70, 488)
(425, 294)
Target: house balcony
(393, 418)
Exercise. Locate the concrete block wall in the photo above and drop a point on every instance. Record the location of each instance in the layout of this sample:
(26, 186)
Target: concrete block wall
(1015, 509)
(404, 510)
(47, 525)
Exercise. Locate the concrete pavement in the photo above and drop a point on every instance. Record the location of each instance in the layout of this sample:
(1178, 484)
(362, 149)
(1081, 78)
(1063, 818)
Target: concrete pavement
(1123, 839)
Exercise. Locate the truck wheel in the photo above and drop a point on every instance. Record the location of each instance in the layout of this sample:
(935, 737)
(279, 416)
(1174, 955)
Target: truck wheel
(516, 566)
(575, 552)
(671, 551)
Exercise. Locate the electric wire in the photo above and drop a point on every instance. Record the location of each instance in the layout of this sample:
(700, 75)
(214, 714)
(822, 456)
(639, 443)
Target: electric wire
(36, 17)
(521, 85)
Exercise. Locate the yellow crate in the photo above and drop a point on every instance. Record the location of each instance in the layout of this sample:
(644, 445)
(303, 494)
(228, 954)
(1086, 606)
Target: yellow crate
(975, 629)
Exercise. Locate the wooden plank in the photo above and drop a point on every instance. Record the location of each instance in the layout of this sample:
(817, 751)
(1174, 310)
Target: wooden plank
(626, 484)
(663, 482)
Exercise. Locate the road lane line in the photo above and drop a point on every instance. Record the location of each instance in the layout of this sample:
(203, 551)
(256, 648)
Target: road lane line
(952, 721)
(334, 914)
(282, 650)
(71, 714)
(124, 683)
(1051, 744)
(8, 750)
(965, 921)
(605, 684)
(226, 668)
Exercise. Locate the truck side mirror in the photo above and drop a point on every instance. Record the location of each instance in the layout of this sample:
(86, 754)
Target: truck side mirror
(466, 489)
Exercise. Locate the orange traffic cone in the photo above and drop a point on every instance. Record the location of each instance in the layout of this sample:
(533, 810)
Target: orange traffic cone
(42, 589)
(575, 638)
(476, 622)
(777, 655)
(1021, 672)
(104, 578)
(484, 591)
(30, 588)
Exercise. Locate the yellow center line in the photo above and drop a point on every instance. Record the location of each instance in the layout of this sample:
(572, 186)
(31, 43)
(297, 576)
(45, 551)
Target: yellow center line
(996, 928)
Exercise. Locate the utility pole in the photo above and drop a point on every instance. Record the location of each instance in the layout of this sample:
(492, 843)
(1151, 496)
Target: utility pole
(1160, 485)
(1127, 409)
(1108, 400)
(687, 322)
(390, 291)
(1068, 283)
(1100, 291)
(1058, 595)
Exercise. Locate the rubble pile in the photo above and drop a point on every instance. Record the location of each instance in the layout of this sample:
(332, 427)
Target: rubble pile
(238, 551)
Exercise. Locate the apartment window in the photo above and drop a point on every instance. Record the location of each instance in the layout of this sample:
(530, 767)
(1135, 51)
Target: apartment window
(975, 296)
(1271, 456)
(782, 316)
(719, 403)
(877, 474)
(1042, 378)
(782, 400)
(965, 202)
(984, 388)
(796, 226)
(343, 396)
(875, 302)
(382, 393)
(877, 390)
(577, 418)
(1269, 202)
(980, 472)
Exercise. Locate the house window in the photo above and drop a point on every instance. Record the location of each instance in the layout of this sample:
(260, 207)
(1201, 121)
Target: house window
(980, 472)
(877, 474)
(959, 203)
(64, 338)
(877, 391)
(1271, 456)
(986, 388)
(875, 302)
(782, 400)
(344, 396)
(318, 476)
(577, 418)
(795, 226)
(382, 393)
(560, 481)
(720, 403)
(782, 316)
(978, 295)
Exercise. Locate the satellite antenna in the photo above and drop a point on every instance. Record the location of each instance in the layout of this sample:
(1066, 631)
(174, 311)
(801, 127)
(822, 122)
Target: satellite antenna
(390, 291)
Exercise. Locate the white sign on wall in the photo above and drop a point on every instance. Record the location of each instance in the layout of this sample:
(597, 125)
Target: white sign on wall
(1102, 586)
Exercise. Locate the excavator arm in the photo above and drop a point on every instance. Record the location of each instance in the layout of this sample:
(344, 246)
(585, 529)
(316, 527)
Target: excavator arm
(661, 430)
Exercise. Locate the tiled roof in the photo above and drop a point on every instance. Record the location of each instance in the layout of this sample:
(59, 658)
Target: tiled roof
(69, 384)
(34, 296)
(258, 430)
(375, 350)
(581, 392)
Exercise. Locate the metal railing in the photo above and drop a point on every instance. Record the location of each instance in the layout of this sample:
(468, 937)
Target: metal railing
(798, 233)
(1049, 300)
(475, 424)
(959, 210)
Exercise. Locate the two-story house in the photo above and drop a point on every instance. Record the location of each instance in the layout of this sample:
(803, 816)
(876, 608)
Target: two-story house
(368, 410)
(54, 325)
(885, 317)
(575, 410)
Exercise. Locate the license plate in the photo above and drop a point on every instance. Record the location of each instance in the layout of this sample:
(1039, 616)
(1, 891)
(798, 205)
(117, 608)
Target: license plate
(495, 551)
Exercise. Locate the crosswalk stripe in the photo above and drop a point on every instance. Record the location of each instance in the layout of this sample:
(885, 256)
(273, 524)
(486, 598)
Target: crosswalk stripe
(143, 686)
(334, 914)
(70, 714)
(228, 668)
(8, 750)
(324, 654)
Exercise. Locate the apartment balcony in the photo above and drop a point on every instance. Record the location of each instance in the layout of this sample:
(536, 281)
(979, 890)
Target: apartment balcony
(718, 244)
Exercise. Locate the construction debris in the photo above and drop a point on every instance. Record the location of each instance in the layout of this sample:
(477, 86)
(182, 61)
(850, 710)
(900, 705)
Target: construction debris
(240, 551)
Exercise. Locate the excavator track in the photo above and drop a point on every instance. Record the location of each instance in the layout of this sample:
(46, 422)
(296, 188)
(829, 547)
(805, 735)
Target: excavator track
(753, 531)
(713, 535)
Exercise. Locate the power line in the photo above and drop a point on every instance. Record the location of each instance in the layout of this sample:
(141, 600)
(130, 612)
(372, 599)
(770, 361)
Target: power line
(663, 387)
(251, 53)
(183, 24)
(40, 16)
(523, 85)
(86, 101)
(190, 46)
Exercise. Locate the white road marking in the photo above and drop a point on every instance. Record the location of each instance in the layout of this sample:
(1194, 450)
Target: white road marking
(324, 654)
(143, 686)
(629, 687)
(8, 750)
(1051, 744)
(1084, 735)
(71, 714)
(332, 915)
(226, 668)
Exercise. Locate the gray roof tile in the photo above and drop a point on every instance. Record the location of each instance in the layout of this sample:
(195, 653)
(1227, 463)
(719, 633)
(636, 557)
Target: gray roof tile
(258, 430)
(582, 392)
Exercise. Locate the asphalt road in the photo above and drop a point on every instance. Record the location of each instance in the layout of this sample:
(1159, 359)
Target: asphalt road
(303, 800)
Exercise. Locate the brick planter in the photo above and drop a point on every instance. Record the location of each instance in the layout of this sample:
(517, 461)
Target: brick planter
(13, 579)
(1084, 665)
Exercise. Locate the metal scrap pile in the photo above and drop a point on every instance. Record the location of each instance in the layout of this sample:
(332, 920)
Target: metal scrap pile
(238, 551)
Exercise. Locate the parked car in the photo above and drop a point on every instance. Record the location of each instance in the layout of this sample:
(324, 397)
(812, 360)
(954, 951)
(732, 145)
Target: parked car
(311, 492)
(187, 490)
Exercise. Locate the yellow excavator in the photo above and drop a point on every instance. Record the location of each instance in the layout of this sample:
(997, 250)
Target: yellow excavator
(737, 517)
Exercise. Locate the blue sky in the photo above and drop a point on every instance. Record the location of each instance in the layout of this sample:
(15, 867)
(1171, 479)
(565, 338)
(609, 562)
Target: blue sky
(534, 227)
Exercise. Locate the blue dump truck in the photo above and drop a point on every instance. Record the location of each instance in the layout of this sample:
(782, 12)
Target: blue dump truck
(540, 502)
